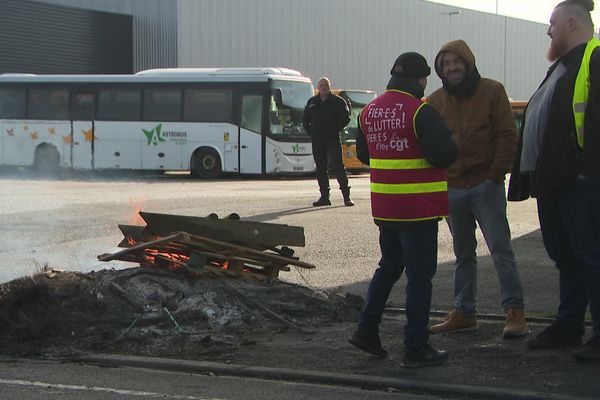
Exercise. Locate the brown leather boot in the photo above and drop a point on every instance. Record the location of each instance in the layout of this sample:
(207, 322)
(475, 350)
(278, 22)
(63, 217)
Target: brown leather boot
(515, 323)
(456, 322)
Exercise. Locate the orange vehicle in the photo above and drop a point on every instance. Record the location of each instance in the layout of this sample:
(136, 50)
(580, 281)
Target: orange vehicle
(356, 99)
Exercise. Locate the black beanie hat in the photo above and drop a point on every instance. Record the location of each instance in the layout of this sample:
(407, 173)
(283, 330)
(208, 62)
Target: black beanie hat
(411, 65)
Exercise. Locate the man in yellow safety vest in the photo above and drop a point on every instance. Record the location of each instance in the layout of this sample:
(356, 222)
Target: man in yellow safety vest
(558, 162)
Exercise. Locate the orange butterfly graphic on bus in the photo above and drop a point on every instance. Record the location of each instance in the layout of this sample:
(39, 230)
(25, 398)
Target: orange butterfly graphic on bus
(89, 135)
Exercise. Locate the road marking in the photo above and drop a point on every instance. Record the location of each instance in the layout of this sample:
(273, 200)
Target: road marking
(102, 389)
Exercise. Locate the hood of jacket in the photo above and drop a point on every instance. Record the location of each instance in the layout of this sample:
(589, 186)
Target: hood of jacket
(467, 87)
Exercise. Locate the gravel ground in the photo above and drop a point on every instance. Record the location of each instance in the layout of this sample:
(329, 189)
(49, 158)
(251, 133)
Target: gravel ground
(256, 323)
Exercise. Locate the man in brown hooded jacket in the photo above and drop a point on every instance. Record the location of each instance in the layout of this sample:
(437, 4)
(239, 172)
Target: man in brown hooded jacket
(478, 112)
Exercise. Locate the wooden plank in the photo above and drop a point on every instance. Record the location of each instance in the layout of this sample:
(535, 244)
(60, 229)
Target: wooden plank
(134, 232)
(186, 237)
(171, 238)
(248, 232)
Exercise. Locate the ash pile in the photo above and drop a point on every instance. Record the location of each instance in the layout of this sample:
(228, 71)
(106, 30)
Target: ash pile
(227, 296)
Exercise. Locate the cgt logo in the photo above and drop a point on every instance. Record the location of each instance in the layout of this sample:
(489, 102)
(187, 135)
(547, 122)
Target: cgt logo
(154, 136)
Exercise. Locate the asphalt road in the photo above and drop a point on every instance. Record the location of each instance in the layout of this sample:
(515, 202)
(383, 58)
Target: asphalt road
(65, 224)
(46, 380)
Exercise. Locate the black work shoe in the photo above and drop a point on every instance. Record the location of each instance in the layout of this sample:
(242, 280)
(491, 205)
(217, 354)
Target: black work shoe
(323, 201)
(368, 342)
(589, 351)
(553, 336)
(426, 357)
(348, 202)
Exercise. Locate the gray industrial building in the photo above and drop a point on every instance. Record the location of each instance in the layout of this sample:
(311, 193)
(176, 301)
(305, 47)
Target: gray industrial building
(352, 41)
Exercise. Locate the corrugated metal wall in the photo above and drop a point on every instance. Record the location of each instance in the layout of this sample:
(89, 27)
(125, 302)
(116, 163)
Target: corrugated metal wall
(154, 28)
(355, 42)
(50, 39)
(352, 41)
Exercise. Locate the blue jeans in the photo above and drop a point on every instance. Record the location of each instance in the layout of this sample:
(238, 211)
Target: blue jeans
(413, 249)
(484, 204)
(570, 227)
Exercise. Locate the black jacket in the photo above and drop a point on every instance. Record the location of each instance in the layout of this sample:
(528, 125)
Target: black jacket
(434, 137)
(561, 160)
(323, 120)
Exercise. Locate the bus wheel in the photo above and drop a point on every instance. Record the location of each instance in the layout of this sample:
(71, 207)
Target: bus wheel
(46, 159)
(206, 164)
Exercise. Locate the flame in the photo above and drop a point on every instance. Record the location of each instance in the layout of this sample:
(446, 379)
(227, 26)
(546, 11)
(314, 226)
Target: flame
(133, 216)
(162, 258)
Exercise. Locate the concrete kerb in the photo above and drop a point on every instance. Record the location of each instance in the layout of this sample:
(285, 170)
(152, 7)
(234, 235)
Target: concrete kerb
(315, 377)
(336, 379)
(390, 311)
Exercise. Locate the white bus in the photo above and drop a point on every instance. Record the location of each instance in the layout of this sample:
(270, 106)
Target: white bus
(206, 120)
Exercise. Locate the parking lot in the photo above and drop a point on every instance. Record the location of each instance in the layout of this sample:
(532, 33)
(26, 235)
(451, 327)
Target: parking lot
(66, 223)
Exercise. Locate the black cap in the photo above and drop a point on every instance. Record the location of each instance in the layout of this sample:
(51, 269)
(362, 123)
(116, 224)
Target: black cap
(411, 65)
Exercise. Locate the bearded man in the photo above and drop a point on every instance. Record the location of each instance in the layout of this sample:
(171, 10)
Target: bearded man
(478, 112)
(558, 163)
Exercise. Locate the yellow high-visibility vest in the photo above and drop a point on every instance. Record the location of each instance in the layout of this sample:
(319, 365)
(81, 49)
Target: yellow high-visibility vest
(582, 88)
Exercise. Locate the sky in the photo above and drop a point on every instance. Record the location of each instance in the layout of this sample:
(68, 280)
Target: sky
(531, 10)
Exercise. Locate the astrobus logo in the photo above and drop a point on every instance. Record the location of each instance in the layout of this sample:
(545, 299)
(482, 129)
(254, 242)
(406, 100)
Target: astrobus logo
(154, 136)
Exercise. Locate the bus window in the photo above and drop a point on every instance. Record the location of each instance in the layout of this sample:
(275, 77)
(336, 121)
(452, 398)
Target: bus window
(119, 104)
(252, 112)
(210, 105)
(49, 103)
(12, 103)
(82, 106)
(162, 104)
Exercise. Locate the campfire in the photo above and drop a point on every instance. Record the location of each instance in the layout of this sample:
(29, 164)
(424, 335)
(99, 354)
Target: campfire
(210, 244)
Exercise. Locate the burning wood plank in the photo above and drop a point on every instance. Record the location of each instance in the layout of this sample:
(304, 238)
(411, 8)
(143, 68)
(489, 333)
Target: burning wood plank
(237, 246)
(233, 248)
(139, 246)
(248, 232)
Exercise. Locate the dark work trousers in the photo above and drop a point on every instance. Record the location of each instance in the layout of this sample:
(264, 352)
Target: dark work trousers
(570, 225)
(413, 249)
(329, 153)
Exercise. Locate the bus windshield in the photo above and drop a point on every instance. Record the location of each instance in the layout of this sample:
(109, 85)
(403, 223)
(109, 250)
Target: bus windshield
(357, 100)
(288, 99)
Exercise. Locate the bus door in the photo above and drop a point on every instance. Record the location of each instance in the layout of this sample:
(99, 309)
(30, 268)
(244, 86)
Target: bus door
(79, 143)
(250, 137)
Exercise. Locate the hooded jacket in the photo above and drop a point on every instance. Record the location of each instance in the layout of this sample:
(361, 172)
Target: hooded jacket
(480, 116)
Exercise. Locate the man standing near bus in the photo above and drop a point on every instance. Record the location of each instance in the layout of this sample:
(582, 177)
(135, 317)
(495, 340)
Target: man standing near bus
(558, 163)
(325, 115)
(407, 145)
(478, 112)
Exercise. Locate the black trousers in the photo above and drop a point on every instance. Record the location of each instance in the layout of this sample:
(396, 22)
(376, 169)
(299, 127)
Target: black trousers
(328, 154)
(570, 225)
